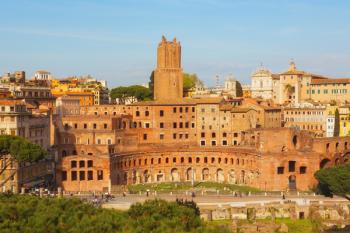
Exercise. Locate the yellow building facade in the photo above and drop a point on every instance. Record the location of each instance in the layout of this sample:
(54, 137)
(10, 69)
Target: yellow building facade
(344, 121)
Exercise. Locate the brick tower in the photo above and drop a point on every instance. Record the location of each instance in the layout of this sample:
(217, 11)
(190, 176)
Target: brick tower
(168, 81)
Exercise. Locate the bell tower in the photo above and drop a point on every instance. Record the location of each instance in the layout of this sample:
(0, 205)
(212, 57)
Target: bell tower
(168, 81)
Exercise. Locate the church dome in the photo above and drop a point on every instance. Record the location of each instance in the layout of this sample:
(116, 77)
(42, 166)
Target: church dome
(262, 72)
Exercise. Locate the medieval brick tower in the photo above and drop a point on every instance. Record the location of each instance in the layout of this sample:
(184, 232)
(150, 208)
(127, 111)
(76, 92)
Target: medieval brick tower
(168, 81)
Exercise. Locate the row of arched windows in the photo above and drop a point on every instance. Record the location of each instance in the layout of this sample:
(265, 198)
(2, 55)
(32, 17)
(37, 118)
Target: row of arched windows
(188, 160)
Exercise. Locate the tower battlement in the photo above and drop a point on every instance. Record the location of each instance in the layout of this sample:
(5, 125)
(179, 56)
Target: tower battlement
(168, 81)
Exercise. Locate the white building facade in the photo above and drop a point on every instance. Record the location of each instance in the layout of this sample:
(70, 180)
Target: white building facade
(262, 84)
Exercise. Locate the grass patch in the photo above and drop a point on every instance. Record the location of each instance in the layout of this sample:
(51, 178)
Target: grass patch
(295, 225)
(183, 186)
(226, 187)
(159, 187)
(224, 225)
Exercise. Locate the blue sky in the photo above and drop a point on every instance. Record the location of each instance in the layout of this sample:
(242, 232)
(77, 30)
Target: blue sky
(117, 40)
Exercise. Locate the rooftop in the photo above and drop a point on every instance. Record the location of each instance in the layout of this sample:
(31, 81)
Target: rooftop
(182, 101)
(330, 81)
(11, 102)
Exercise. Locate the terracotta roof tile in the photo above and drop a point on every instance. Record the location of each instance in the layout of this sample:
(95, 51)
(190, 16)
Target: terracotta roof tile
(9, 102)
(330, 81)
(183, 101)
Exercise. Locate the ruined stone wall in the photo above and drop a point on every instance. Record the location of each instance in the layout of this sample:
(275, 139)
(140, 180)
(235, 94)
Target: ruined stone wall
(84, 173)
(231, 166)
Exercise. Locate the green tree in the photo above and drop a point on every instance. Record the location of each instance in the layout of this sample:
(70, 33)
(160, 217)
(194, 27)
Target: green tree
(190, 81)
(28, 214)
(21, 149)
(335, 180)
(139, 92)
(151, 84)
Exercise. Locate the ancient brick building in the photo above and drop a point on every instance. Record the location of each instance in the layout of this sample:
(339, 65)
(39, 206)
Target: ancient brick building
(181, 139)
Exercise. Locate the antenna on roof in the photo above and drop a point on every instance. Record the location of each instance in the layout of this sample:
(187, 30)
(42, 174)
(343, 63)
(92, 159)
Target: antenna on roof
(217, 81)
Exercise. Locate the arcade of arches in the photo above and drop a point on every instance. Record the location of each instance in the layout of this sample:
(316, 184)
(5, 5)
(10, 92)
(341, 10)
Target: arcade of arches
(277, 160)
(233, 168)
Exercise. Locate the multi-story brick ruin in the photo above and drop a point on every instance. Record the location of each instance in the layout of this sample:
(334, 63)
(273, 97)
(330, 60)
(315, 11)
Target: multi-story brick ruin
(175, 139)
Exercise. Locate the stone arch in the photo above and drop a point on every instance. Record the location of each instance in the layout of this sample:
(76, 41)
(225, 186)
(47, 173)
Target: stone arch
(134, 177)
(250, 177)
(125, 177)
(220, 177)
(138, 177)
(190, 173)
(295, 140)
(325, 163)
(160, 176)
(232, 176)
(346, 158)
(175, 177)
(146, 177)
(337, 161)
(243, 177)
(205, 174)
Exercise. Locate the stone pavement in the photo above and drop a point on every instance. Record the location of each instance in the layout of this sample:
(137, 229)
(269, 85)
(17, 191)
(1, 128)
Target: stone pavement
(120, 202)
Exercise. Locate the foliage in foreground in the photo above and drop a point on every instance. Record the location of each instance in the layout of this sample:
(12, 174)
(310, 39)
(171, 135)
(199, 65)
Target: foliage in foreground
(22, 149)
(28, 214)
(335, 180)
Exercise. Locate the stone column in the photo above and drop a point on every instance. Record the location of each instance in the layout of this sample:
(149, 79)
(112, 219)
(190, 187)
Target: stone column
(59, 192)
(41, 192)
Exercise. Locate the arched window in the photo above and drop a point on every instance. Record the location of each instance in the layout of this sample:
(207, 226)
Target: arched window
(324, 163)
(327, 146)
(295, 140)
